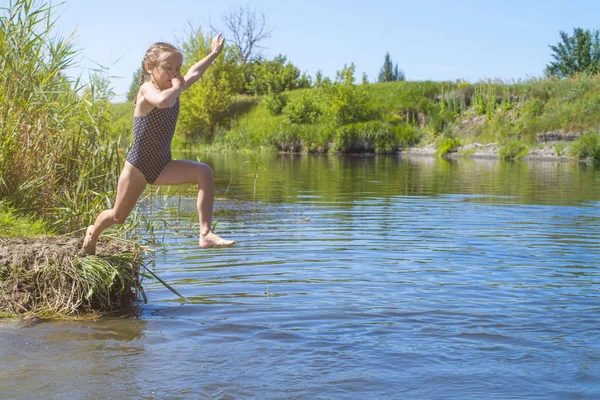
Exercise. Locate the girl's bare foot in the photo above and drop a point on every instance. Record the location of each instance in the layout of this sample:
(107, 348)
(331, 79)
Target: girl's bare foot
(89, 245)
(212, 240)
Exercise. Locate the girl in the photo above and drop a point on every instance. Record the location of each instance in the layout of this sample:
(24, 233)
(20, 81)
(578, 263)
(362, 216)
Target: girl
(149, 160)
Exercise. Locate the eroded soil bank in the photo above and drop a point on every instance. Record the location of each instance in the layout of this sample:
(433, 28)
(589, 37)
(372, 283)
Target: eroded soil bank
(53, 276)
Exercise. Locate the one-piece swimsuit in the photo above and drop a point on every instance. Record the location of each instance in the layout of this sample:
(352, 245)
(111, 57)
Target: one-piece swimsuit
(152, 136)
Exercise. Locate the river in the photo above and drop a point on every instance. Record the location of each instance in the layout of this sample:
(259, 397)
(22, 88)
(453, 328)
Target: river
(353, 277)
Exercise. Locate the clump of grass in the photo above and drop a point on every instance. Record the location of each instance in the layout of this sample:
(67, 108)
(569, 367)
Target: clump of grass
(50, 277)
(447, 145)
(587, 148)
(14, 225)
(512, 150)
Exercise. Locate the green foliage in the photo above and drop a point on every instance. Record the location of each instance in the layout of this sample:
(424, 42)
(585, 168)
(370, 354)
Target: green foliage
(302, 110)
(579, 53)
(135, 85)
(347, 102)
(418, 112)
(14, 225)
(455, 101)
(205, 105)
(276, 76)
(587, 148)
(534, 107)
(56, 159)
(320, 81)
(122, 123)
(276, 102)
(390, 72)
(485, 100)
(407, 135)
(512, 150)
(447, 145)
(372, 136)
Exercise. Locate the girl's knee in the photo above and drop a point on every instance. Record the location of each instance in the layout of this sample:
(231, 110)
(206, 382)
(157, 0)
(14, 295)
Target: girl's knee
(119, 218)
(204, 173)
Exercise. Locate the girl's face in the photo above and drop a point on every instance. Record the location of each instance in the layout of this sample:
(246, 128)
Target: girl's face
(167, 67)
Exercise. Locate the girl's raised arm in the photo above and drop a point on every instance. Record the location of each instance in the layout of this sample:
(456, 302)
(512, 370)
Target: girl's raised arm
(201, 66)
(162, 98)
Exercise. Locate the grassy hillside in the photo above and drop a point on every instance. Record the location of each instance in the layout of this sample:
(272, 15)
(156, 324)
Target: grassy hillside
(386, 117)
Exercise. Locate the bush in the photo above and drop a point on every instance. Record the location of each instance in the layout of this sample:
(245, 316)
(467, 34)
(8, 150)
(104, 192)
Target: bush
(587, 148)
(513, 150)
(407, 135)
(348, 104)
(301, 110)
(276, 103)
(372, 136)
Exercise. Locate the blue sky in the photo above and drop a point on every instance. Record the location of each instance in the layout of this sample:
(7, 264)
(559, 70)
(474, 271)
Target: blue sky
(428, 39)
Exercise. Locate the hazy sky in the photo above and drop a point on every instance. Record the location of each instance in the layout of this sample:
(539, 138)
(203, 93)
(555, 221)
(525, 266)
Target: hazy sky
(428, 39)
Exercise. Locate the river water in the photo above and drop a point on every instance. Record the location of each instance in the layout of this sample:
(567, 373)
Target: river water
(353, 277)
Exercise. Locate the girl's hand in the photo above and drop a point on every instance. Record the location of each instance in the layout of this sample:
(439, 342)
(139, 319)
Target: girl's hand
(178, 82)
(217, 44)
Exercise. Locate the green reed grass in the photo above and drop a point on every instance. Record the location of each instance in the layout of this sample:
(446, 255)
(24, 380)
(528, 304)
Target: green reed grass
(56, 160)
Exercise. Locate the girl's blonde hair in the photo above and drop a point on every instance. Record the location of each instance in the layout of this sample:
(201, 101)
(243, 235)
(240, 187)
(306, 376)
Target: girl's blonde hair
(152, 56)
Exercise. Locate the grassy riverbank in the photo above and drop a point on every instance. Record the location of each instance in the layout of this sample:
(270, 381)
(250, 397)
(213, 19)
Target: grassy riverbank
(516, 118)
(556, 118)
(59, 161)
(58, 169)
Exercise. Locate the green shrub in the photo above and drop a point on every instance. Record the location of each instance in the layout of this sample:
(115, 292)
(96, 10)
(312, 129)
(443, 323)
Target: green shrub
(407, 135)
(534, 107)
(301, 110)
(347, 104)
(372, 136)
(513, 150)
(275, 103)
(587, 148)
(447, 145)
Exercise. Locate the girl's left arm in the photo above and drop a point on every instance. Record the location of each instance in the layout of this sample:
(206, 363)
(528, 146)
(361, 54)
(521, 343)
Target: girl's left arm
(196, 71)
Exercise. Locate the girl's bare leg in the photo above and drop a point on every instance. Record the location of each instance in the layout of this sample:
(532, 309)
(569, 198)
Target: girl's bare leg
(131, 185)
(178, 172)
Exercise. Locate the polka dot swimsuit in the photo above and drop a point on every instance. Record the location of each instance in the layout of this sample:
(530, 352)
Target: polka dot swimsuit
(152, 135)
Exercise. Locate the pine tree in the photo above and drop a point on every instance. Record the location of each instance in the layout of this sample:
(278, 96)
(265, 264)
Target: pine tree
(390, 72)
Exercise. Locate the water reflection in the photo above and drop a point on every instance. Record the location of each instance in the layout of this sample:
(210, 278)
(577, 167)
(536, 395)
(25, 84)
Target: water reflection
(332, 178)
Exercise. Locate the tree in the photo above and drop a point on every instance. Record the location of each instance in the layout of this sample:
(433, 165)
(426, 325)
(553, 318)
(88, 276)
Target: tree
(205, 105)
(135, 85)
(348, 102)
(276, 76)
(390, 72)
(579, 53)
(248, 29)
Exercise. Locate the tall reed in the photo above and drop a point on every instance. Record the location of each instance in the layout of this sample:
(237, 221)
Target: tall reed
(56, 160)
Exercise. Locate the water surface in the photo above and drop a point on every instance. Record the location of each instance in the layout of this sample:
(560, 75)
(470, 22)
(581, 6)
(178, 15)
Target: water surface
(353, 277)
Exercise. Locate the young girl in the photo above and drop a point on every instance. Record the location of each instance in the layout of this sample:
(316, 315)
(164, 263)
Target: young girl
(149, 160)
